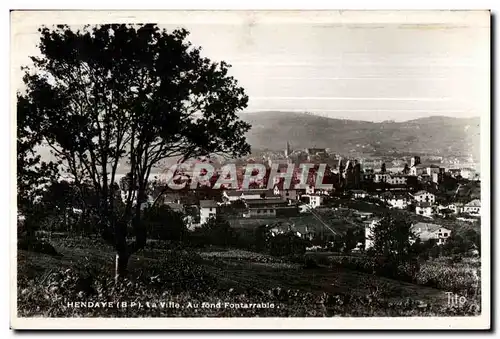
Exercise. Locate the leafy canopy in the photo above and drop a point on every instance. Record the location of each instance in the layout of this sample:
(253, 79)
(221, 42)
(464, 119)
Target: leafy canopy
(101, 94)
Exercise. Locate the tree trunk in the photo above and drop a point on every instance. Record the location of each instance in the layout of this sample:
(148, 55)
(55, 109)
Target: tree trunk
(121, 264)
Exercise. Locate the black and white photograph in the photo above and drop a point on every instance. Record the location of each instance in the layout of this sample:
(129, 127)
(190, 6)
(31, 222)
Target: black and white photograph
(251, 169)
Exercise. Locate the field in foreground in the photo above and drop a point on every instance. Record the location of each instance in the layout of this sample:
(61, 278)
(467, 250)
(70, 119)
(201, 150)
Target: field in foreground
(166, 281)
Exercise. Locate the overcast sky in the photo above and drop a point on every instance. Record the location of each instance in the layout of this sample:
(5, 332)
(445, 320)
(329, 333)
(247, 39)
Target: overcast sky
(356, 71)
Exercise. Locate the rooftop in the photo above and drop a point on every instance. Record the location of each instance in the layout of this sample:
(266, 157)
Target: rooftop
(421, 192)
(424, 205)
(427, 227)
(426, 166)
(268, 202)
(174, 206)
(474, 203)
(237, 193)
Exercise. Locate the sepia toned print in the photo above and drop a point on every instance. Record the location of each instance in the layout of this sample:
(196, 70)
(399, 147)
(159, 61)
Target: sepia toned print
(249, 166)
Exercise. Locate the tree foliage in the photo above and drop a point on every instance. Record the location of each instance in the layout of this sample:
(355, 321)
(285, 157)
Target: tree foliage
(33, 174)
(392, 237)
(103, 95)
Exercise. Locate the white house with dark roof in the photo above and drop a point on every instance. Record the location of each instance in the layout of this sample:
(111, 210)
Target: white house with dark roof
(425, 169)
(473, 207)
(424, 196)
(312, 200)
(208, 209)
(455, 207)
(427, 231)
(399, 201)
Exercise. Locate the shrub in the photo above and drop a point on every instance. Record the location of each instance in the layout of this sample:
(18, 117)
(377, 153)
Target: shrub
(459, 278)
(310, 262)
(286, 244)
(163, 223)
(34, 245)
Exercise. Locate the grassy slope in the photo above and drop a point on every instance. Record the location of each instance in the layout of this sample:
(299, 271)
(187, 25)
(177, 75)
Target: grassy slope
(236, 270)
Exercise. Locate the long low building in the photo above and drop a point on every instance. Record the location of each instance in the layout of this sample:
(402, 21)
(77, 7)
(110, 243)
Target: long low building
(268, 208)
(251, 194)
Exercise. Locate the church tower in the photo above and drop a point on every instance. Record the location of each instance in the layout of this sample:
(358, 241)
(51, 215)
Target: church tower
(287, 150)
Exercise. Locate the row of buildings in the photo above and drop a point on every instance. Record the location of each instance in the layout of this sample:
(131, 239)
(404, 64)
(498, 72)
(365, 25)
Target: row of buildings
(424, 231)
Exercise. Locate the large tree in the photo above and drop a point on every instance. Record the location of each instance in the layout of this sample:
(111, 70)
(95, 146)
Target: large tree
(392, 237)
(33, 174)
(108, 93)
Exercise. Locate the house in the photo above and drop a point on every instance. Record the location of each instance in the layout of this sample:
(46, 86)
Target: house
(208, 209)
(359, 194)
(433, 169)
(454, 172)
(467, 173)
(426, 231)
(279, 228)
(251, 194)
(397, 179)
(381, 177)
(312, 200)
(289, 194)
(473, 207)
(424, 209)
(425, 169)
(424, 196)
(369, 227)
(399, 201)
(266, 207)
(418, 169)
(455, 207)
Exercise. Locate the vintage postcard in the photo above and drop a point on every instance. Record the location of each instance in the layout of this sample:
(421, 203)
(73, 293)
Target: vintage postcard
(251, 169)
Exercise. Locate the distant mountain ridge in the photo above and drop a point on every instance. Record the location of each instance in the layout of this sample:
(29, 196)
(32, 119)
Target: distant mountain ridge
(439, 135)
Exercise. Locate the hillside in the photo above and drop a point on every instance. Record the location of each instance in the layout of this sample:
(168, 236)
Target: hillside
(432, 135)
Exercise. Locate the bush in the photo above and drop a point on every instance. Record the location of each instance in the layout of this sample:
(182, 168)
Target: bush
(383, 266)
(287, 244)
(163, 223)
(35, 245)
(310, 262)
(455, 259)
(459, 278)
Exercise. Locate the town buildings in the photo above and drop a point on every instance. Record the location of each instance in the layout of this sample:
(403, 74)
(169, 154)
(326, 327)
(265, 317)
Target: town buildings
(208, 209)
(473, 207)
(425, 209)
(427, 231)
(265, 207)
(312, 200)
(424, 196)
